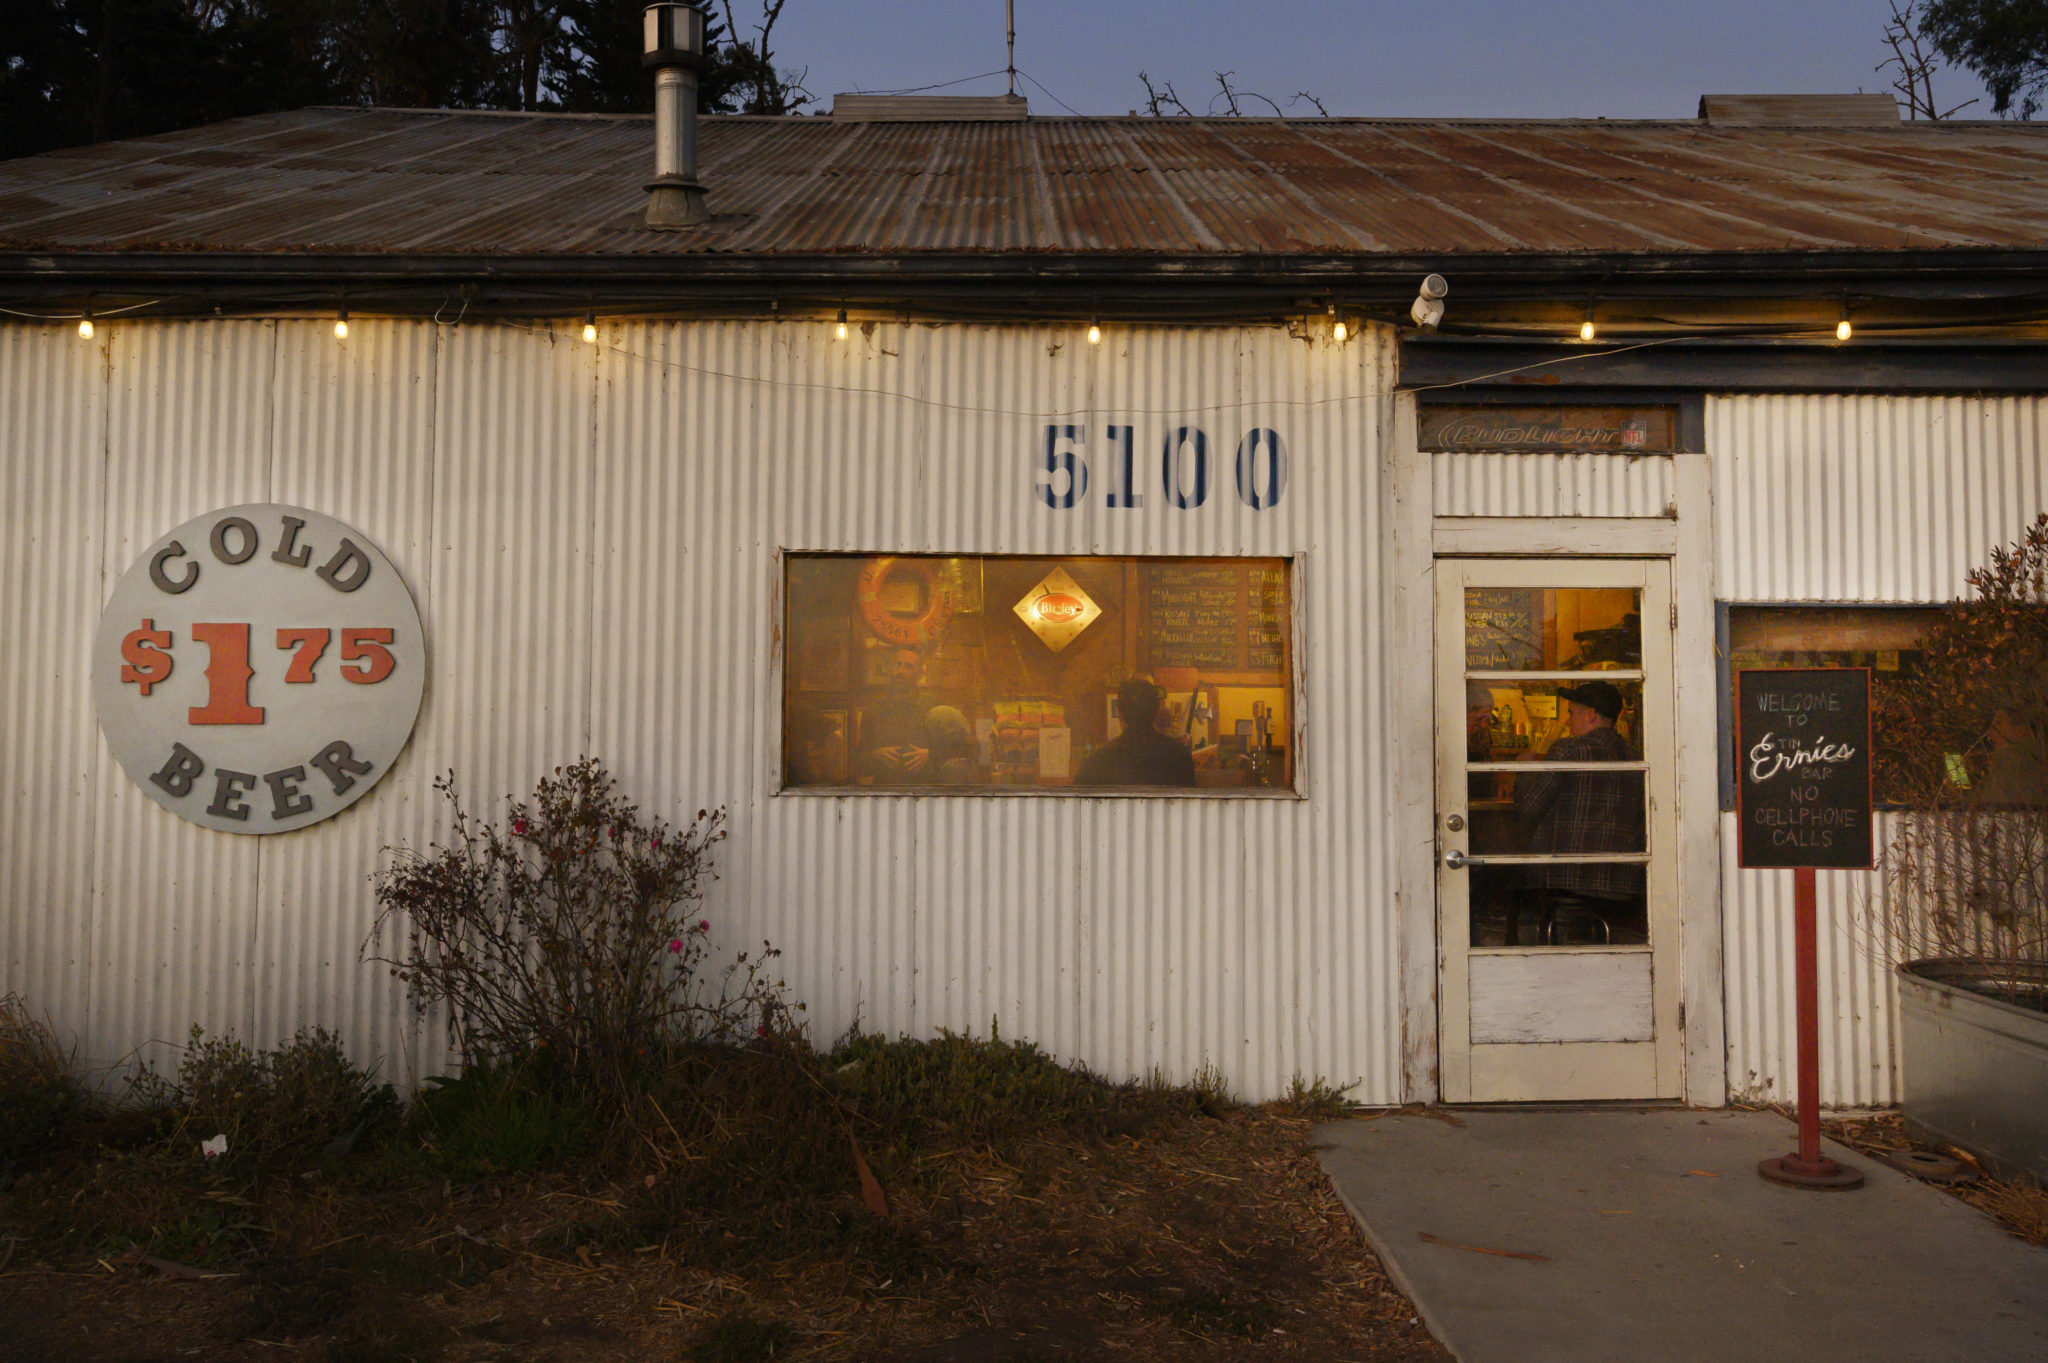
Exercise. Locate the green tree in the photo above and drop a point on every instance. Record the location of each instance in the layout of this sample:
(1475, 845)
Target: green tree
(2004, 41)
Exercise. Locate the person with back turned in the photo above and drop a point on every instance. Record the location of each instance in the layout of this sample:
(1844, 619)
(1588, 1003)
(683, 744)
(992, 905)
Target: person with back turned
(1140, 755)
(1586, 812)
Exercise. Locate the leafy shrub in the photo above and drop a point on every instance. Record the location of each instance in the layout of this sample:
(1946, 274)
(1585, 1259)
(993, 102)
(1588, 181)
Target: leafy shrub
(570, 932)
(1968, 737)
(289, 1101)
(37, 1092)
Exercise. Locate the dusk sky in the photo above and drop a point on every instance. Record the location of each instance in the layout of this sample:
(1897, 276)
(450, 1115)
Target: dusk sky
(1451, 58)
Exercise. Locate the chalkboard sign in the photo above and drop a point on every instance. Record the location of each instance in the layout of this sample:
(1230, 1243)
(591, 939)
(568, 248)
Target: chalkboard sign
(1802, 760)
(1192, 617)
(1265, 640)
(1504, 629)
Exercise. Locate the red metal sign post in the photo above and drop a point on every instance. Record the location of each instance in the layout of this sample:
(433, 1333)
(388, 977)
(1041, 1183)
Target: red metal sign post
(1802, 801)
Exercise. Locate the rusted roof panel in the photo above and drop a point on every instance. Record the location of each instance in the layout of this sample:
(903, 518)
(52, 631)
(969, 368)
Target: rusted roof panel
(424, 182)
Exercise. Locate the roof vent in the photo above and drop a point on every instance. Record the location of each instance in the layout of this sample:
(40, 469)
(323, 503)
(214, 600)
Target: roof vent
(1845, 111)
(930, 108)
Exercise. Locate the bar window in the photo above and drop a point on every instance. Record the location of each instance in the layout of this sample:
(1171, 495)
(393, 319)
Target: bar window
(1137, 676)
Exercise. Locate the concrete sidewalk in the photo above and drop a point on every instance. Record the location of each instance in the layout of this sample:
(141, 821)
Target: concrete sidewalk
(1659, 1242)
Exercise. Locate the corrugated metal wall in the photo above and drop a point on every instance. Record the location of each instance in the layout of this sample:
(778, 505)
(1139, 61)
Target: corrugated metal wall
(1482, 484)
(1839, 498)
(593, 535)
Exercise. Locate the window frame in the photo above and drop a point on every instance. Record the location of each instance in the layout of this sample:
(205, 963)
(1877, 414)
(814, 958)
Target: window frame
(1297, 789)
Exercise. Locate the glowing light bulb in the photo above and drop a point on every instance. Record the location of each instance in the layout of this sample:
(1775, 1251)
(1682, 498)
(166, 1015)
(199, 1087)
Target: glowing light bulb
(85, 328)
(1094, 333)
(1340, 331)
(341, 328)
(590, 332)
(1586, 330)
(1843, 330)
(840, 331)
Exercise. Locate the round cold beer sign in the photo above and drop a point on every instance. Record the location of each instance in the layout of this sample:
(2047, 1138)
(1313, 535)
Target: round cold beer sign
(259, 668)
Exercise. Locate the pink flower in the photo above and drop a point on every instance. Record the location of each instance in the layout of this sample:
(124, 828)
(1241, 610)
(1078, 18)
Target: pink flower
(675, 945)
(703, 925)
(654, 846)
(519, 825)
(760, 1031)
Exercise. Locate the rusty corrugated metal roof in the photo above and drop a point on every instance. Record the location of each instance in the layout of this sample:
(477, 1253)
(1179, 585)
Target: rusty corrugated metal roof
(413, 182)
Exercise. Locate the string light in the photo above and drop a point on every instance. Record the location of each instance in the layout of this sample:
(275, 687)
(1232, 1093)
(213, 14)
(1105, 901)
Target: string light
(1095, 331)
(1843, 331)
(1340, 331)
(590, 328)
(1586, 328)
(341, 324)
(85, 326)
(841, 332)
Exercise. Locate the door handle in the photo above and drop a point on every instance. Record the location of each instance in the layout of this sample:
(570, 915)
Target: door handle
(1455, 859)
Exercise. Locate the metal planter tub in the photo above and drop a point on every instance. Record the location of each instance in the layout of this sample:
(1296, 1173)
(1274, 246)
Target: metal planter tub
(1974, 1066)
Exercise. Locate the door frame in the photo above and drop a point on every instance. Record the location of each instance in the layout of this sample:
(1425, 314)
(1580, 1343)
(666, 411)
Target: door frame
(1414, 536)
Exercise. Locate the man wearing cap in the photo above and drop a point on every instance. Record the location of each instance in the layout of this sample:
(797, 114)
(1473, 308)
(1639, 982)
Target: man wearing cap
(1584, 812)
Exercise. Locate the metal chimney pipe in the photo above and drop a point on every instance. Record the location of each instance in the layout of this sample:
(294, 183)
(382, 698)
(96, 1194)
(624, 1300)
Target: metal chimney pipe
(674, 46)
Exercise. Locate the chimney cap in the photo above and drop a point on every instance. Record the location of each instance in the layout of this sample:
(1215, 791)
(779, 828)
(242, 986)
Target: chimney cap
(672, 35)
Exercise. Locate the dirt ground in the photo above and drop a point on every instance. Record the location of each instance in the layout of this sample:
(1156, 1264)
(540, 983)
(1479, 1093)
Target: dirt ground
(1215, 1238)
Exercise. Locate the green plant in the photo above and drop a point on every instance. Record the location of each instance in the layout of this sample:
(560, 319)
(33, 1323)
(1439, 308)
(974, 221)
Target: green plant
(1317, 1099)
(292, 1100)
(497, 1118)
(1967, 860)
(570, 934)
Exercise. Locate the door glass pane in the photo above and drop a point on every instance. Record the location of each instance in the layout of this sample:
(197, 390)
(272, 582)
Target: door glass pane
(1569, 812)
(1589, 719)
(1552, 629)
(1559, 905)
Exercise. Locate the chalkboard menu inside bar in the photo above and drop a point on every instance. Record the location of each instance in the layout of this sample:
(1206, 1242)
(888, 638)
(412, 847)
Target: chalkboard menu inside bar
(1802, 755)
(1265, 639)
(1191, 614)
(1522, 430)
(1504, 629)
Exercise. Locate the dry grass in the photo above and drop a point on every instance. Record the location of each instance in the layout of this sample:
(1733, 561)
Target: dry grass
(30, 1057)
(1030, 1212)
(2020, 1205)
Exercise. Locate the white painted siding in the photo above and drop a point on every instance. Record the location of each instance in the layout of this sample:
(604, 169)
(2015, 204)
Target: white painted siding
(1843, 498)
(593, 536)
(1552, 484)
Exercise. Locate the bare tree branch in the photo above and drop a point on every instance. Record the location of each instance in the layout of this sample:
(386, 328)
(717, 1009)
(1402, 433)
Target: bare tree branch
(1914, 64)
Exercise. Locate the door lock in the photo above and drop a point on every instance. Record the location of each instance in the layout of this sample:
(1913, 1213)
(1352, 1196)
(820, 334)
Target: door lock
(1455, 859)
(1456, 823)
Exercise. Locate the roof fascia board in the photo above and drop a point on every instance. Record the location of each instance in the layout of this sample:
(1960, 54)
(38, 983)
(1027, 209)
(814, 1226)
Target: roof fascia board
(1477, 371)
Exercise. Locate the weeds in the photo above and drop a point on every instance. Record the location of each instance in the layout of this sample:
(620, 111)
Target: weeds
(38, 1095)
(1317, 1099)
(290, 1101)
(497, 1119)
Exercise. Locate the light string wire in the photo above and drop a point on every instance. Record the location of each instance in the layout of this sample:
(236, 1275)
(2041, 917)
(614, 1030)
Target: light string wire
(940, 404)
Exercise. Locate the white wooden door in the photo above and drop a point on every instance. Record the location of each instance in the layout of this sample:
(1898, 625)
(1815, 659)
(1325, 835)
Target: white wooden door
(1557, 904)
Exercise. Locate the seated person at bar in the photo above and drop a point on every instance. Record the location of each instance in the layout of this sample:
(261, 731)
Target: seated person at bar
(1140, 755)
(1586, 812)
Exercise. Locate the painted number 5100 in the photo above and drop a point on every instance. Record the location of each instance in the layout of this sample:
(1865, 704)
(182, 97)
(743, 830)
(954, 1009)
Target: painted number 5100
(1065, 471)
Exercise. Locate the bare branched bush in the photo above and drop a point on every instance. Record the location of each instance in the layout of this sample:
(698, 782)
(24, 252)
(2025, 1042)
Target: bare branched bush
(570, 935)
(1967, 861)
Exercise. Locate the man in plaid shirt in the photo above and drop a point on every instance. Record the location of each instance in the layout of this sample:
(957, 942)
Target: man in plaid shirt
(1586, 811)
